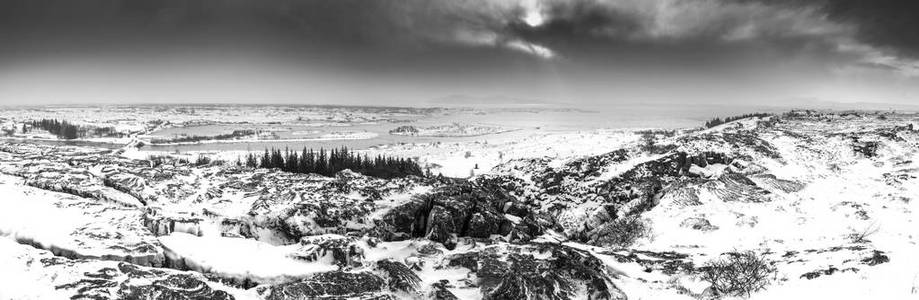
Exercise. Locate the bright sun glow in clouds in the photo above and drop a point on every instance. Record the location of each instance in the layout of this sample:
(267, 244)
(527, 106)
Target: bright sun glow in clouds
(533, 15)
(533, 18)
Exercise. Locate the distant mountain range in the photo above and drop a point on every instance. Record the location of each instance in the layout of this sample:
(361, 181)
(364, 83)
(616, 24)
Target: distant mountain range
(468, 100)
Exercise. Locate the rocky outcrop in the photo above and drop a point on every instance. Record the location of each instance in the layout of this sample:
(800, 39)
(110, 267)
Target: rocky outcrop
(668, 263)
(111, 281)
(76, 227)
(330, 285)
(345, 252)
(770, 181)
(440, 291)
(329, 215)
(734, 187)
(543, 271)
(876, 258)
(643, 183)
(470, 209)
(398, 276)
(518, 233)
(865, 148)
(130, 184)
(76, 187)
(180, 286)
(826, 272)
(161, 225)
(591, 166)
(698, 223)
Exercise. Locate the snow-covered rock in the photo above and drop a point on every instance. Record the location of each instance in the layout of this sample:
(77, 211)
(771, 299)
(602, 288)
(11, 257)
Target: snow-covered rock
(824, 198)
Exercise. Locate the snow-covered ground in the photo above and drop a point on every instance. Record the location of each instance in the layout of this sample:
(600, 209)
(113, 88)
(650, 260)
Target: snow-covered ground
(827, 200)
(454, 129)
(462, 159)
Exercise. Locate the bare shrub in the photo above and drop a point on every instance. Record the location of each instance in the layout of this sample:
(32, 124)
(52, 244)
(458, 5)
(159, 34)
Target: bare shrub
(649, 141)
(620, 233)
(738, 274)
(202, 161)
(862, 236)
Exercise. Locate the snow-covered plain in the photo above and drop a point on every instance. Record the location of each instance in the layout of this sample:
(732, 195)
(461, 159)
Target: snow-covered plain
(827, 199)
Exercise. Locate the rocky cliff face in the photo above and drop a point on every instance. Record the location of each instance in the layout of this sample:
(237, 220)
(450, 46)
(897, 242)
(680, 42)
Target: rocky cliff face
(634, 222)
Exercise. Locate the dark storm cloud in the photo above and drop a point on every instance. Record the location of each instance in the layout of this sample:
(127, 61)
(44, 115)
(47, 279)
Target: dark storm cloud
(178, 21)
(842, 33)
(884, 23)
(523, 26)
(435, 45)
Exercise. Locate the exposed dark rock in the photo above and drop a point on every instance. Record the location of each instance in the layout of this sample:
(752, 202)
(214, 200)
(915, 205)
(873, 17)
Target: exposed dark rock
(665, 262)
(592, 166)
(498, 216)
(876, 258)
(642, 184)
(769, 180)
(372, 194)
(164, 225)
(439, 291)
(697, 223)
(468, 260)
(330, 215)
(442, 224)
(129, 184)
(345, 251)
(76, 187)
(683, 193)
(238, 228)
(865, 148)
(129, 281)
(734, 187)
(535, 283)
(552, 275)
(836, 249)
(89, 288)
(484, 224)
(748, 139)
(174, 287)
(403, 222)
(104, 273)
(133, 271)
(468, 209)
(398, 276)
(329, 285)
(829, 271)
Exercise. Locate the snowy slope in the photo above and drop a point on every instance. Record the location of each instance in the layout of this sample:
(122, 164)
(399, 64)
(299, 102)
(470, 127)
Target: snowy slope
(827, 200)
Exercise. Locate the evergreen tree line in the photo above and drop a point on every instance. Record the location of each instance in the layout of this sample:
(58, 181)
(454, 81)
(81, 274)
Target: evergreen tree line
(62, 129)
(328, 162)
(718, 121)
(197, 138)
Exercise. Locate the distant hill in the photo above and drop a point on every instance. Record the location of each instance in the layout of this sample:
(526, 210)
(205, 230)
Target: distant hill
(467, 100)
(812, 103)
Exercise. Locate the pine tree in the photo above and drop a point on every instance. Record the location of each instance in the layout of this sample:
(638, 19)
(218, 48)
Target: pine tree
(266, 160)
(332, 161)
(62, 129)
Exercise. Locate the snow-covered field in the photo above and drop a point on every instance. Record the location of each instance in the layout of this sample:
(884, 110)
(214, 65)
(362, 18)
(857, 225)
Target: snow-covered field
(825, 201)
(454, 129)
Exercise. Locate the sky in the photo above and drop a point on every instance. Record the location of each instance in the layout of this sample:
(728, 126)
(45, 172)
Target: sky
(417, 52)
